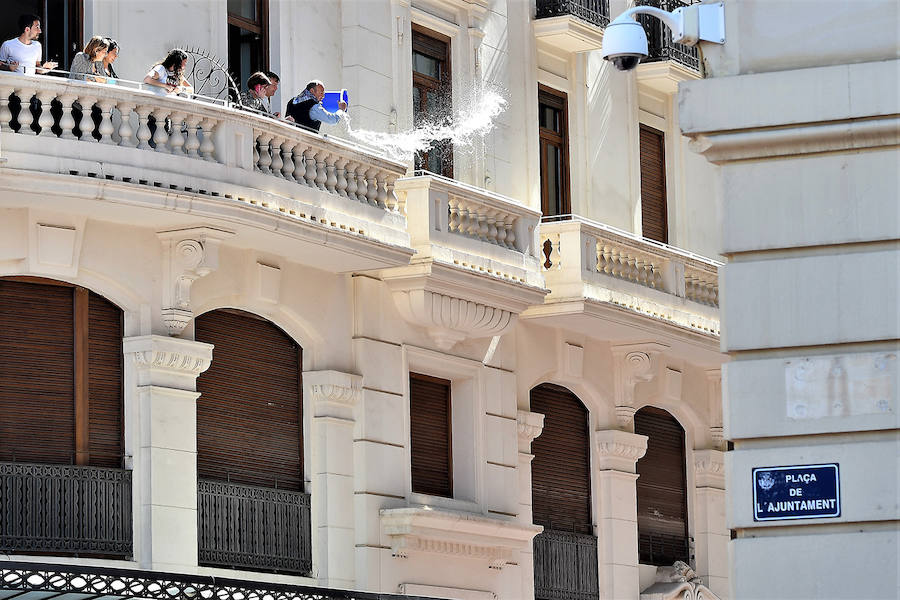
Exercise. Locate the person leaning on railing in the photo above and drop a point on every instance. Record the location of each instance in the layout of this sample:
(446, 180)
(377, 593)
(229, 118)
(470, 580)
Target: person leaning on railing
(87, 65)
(106, 65)
(307, 111)
(167, 76)
(270, 91)
(256, 91)
(22, 54)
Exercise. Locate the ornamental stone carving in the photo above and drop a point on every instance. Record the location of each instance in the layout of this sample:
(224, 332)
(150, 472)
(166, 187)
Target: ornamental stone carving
(709, 469)
(619, 450)
(188, 254)
(449, 320)
(529, 426)
(168, 362)
(333, 393)
(634, 364)
(678, 582)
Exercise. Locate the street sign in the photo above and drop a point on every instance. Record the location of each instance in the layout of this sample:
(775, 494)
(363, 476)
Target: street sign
(796, 492)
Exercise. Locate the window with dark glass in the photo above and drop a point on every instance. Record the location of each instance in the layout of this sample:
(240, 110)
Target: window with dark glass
(654, 221)
(432, 95)
(554, 142)
(661, 489)
(430, 435)
(248, 38)
(62, 23)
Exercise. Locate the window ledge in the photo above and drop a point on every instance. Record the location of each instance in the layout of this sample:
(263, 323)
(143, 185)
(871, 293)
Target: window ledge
(455, 533)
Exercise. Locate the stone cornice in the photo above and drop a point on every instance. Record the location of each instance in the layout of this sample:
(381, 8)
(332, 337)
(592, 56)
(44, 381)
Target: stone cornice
(166, 361)
(619, 450)
(709, 469)
(458, 534)
(529, 426)
(332, 393)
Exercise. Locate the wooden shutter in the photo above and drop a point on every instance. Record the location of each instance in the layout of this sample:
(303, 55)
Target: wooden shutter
(661, 489)
(561, 471)
(654, 221)
(249, 426)
(553, 129)
(104, 382)
(430, 435)
(37, 365)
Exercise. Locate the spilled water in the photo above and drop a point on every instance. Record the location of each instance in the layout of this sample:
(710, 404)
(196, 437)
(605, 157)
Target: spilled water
(474, 120)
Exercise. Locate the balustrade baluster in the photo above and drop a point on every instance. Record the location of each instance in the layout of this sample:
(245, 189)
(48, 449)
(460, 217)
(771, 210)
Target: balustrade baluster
(453, 217)
(309, 158)
(192, 143)
(371, 186)
(287, 159)
(299, 164)
(86, 124)
(393, 203)
(264, 160)
(381, 183)
(352, 180)
(362, 186)
(5, 114)
(45, 120)
(491, 218)
(161, 136)
(207, 145)
(106, 129)
(277, 161)
(26, 118)
(176, 138)
(341, 175)
(126, 132)
(143, 133)
(330, 176)
(321, 171)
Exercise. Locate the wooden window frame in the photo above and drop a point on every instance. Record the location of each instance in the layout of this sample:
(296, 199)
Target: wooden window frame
(558, 100)
(259, 27)
(665, 191)
(449, 385)
(423, 83)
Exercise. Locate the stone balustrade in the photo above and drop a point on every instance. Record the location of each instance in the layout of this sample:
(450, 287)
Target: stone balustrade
(194, 146)
(471, 227)
(585, 259)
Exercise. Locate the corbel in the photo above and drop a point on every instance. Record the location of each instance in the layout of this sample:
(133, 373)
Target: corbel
(634, 364)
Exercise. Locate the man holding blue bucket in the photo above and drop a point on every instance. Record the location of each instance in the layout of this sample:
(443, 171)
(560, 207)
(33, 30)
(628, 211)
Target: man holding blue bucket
(307, 109)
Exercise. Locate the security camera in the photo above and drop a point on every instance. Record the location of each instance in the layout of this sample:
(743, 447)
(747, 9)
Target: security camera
(625, 42)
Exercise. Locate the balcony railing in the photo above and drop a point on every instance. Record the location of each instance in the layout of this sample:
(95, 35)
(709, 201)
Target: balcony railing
(565, 566)
(121, 134)
(659, 38)
(595, 12)
(64, 509)
(255, 528)
(586, 259)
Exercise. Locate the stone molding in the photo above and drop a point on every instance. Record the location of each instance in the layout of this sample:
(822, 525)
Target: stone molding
(714, 389)
(457, 534)
(529, 426)
(634, 364)
(709, 469)
(168, 362)
(333, 393)
(678, 582)
(188, 254)
(619, 450)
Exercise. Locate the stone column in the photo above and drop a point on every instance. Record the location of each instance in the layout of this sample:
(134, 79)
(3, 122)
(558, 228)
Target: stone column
(616, 510)
(332, 398)
(711, 533)
(530, 425)
(165, 450)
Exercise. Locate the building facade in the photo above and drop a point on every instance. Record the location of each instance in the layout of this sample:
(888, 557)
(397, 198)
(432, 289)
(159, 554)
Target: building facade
(233, 350)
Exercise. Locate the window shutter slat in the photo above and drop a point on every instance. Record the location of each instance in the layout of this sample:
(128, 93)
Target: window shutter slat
(654, 222)
(105, 382)
(430, 435)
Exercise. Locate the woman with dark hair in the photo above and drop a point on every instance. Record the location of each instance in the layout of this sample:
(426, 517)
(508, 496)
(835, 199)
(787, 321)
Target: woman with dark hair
(85, 65)
(112, 53)
(167, 76)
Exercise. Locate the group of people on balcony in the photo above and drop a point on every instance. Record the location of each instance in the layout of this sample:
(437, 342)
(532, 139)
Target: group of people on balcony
(95, 63)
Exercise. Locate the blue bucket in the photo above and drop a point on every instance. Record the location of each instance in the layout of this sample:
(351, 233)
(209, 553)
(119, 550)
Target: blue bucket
(331, 100)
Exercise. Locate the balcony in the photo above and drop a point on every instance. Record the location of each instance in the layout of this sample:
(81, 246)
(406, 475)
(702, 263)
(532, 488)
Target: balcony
(565, 566)
(64, 509)
(571, 25)
(594, 270)
(668, 63)
(172, 160)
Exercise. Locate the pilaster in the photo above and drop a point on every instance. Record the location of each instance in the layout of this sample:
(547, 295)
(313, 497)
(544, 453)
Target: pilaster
(166, 371)
(711, 533)
(529, 426)
(616, 510)
(333, 397)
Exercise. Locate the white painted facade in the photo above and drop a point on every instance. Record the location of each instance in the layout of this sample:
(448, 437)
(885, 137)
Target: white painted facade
(354, 261)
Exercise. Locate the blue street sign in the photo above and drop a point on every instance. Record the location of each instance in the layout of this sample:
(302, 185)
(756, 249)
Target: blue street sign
(798, 492)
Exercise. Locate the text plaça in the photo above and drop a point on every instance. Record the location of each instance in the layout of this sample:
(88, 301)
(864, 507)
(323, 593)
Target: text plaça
(799, 477)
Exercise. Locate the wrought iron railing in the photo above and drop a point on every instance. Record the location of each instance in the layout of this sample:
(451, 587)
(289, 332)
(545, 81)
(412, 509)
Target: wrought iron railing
(663, 550)
(65, 509)
(659, 38)
(565, 566)
(595, 12)
(254, 528)
(78, 581)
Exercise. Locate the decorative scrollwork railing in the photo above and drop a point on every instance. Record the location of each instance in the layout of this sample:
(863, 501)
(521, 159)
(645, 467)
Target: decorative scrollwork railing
(565, 566)
(65, 509)
(244, 526)
(209, 76)
(659, 38)
(595, 12)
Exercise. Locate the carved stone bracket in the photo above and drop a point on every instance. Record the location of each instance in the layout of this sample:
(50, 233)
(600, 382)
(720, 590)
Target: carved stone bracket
(529, 425)
(619, 450)
(709, 469)
(714, 391)
(332, 393)
(678, 582)
(168, 362)
(458, 534)
(634, 364)
(188, 254)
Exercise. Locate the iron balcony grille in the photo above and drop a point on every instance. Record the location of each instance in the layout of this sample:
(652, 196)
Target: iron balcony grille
(663, 550)
(254, 528)
(65, 509)
(565, 566)
(659, 38)
(595, 12)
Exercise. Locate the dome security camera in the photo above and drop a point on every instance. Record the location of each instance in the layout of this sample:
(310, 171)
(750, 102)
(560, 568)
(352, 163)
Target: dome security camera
(625, 44)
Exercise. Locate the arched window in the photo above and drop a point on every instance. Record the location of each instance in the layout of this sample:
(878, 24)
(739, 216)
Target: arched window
(250, 448)
(661, 490)
(565, 554)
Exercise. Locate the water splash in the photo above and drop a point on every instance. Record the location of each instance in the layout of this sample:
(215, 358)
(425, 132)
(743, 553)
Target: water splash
(474, 120)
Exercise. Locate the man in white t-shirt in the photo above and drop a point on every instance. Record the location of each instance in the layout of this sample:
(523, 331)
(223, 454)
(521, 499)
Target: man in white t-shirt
(23, 54)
